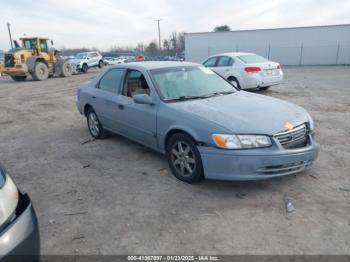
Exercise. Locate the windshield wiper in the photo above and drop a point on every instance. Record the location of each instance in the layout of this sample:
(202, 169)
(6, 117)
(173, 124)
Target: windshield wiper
(183, 98)
(220, 93)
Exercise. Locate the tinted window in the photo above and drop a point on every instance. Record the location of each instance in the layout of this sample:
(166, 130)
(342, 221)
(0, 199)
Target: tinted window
(210, 62)
(252, 59)
(111, 80)
(225, 61)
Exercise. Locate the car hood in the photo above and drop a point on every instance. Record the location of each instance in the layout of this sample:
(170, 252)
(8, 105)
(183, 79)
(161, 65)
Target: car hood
(245, 113)
(75, 61)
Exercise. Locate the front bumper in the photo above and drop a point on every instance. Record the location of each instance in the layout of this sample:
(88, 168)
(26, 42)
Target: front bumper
(19, 241)
(257, 164)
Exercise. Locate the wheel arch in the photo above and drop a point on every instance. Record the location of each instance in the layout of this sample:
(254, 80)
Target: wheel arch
(34, 59)
(177, 130)
(86, 108)
(236, 78)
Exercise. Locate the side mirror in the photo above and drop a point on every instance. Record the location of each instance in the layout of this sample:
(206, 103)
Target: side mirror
(51, 42)
(143, 99)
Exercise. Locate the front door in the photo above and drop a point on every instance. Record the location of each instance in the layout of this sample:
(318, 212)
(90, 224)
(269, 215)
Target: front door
(137, 121)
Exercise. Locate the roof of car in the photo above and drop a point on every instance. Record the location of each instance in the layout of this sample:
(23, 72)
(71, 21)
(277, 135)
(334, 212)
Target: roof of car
(234, 54)
(150, 65)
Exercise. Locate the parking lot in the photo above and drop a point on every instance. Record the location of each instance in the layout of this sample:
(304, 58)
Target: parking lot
(113, 196)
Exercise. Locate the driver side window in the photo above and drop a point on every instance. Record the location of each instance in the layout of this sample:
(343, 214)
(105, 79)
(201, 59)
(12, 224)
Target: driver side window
(135, 84)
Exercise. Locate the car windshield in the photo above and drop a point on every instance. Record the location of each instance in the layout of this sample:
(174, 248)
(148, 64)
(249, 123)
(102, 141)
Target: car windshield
(252, 59)
(183, 83)
(81, 56)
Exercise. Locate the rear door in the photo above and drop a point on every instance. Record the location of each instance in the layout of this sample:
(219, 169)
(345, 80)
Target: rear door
(224, 66)
(105, 98)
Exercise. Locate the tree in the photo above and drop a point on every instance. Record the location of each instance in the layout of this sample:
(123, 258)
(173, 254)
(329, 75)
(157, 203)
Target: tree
(152, 49)
(222, 28)
(166, 45)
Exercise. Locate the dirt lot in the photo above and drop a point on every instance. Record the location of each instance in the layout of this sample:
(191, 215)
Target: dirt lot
(116, 197)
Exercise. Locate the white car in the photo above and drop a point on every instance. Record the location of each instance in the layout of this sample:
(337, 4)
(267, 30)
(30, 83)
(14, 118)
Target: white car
(246, 70)
(86, 60)
(114, 60)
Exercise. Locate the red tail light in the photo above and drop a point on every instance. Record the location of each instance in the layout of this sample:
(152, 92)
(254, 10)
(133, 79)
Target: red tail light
(278, 66)
(252, 69)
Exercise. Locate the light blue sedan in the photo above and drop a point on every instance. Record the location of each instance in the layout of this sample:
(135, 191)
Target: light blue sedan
(205, 126)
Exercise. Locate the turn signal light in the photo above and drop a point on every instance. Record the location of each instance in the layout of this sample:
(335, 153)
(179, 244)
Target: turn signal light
(278, 66)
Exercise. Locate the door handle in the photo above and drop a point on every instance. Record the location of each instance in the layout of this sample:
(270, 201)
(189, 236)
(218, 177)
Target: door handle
(93, 97)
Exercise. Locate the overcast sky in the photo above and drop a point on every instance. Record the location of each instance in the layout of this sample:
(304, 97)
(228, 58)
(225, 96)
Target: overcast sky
(105, 23)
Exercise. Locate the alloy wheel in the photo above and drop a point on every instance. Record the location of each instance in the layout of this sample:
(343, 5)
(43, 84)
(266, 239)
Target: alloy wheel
(94, 125)
(183, 158)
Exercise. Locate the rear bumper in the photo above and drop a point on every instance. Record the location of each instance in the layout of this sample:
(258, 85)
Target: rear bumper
(256, 80)
(20, 239)
(256, 164)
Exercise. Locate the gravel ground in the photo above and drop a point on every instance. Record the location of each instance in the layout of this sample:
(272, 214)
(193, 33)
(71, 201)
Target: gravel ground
(116, 197)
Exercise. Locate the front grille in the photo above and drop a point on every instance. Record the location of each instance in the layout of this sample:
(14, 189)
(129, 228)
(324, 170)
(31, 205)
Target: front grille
(285, 169)
(9, 60)
(295, 138)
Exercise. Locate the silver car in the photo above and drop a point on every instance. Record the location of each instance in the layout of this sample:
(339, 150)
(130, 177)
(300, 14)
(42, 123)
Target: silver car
(246, 70)
(204, 125)
(86, 60)
(19, 230)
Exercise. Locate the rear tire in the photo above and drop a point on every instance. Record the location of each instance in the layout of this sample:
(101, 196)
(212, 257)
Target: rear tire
(41, 71)
(234, 82)
(84, 68)
(94, 125)
(66, 69)
(100, 64)
(264, 88)
(184, 158)
(19, 78)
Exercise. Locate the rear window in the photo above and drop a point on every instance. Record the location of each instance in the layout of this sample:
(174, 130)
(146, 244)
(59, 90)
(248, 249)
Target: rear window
(252, 59)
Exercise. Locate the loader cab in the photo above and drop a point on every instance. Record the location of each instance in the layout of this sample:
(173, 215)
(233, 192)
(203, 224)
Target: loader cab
(40, 45)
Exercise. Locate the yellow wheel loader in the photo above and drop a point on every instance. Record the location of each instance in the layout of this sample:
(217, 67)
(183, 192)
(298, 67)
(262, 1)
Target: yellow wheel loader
(36, 57)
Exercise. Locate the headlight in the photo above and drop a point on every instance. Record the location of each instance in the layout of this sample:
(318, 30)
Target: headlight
(241, 141)
(8, 198)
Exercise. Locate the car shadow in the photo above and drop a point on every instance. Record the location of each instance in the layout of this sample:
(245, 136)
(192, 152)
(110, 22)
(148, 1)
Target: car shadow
(208, 184)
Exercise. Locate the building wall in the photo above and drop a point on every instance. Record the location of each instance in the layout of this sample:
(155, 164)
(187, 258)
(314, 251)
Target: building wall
(319, 45)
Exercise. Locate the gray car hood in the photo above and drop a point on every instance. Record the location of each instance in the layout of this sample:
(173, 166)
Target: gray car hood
(245, 113)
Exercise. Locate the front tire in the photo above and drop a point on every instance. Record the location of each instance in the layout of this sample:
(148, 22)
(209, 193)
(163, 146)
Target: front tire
(84, 68)
(66, 69)
(94, 125)
(184, 158)
(41, 71)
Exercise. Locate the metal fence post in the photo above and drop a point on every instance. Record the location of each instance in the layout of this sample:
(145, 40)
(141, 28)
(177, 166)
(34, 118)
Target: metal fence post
(301, 54)
(337, 57)
(268, 54)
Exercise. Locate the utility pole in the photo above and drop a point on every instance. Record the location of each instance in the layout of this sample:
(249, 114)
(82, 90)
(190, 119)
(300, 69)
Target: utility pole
(159, 42)
(8, 28)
